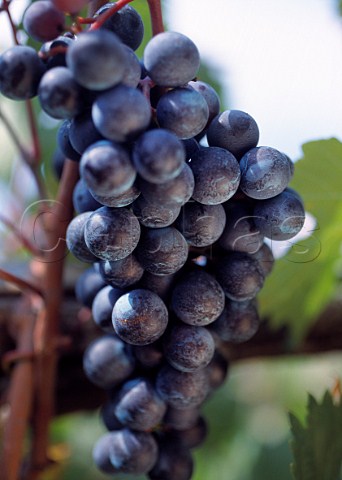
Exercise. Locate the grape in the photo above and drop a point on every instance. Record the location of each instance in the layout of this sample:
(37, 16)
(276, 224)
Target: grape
(82, 132)
(154, 215)
(240, 276)
(265, 258)
(102, 307)
(83, 201)
(59, 94)
(183, 419)
(107, 169)
(280, 217)
(191, 146)
(183, 111)
(158, 156)
(171, 59)
(101, 454)
(121, 113)
(108, 417)
(265, 172)
(140, 317)
(176, 191)
(233, 130)
(198, 299)
(20, 72)
(63, 142)
(182, 389)
(121, 200)
(75, 238)
(217, 369)
(58, 59)
(139, 407)
(159, 284)
(70, 6)
(217, 175)
(133, 452)
(240, 233)
(43, 21)
(126, 24)
(97, 60)
(209, 95)
(189, 348)
(121, 273)
(106, 362)
(149, 356)
(174, 463)
(112, 233)
(88, 284)
(238, 322)
(162, 251)
(132, 72)
(200, 224)
(192, 437)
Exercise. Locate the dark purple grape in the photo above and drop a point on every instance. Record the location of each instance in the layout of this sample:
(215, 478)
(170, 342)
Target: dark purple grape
(174, 463)
(112, 233)
(121, 200)
(191, 146)
(149, 356)
(183, 111)
(132, 73)
(171, 59)
(210, 96)
(63, 142)
(20, 72)
(107, 169)
(240, 233)
(121, 113)
(201, 224)
(106, 362)
(133, 452)
(58, 161)
(158, 156)
(97, 59)
(240, 276)
(102, 307)
(154, 215)
(189, 348)
(198, 299)
(162, 251)
(190, 438)
(183, 419)
(101, 456)
(265, 172)
(83, 200)
(159, 284)
(238, 322)
(176, 191)
(57, 59)
(140, 317)
(88, 284)
(265, 258)
(280, 217)
(121, 273)
(235, 131)
(43, 21)
(59, 95)
(138, 405)
(126, 24)
(217, 370)
(217, 175)
(108, 416)
(82, 132)
(182, 389)
(75, 238)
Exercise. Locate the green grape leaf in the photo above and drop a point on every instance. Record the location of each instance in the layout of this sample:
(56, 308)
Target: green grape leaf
(304, 280)
(317, 447)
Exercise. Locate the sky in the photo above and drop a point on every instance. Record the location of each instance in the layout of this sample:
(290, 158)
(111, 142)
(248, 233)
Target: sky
(278, 60)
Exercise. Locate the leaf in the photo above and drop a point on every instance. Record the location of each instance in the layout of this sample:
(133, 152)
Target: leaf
(304, 281)
(317, 447)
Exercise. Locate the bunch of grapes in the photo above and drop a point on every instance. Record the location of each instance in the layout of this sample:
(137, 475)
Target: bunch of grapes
(174, 202)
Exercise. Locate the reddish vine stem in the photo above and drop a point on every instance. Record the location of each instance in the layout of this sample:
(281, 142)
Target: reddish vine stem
(5, 6)
(25, 154)
(36, 149)
(109, 13)
(47, 329)
(25, 242)
(156, 16)
(19, 282)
